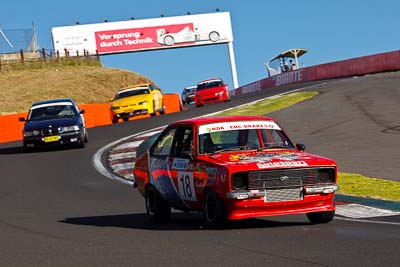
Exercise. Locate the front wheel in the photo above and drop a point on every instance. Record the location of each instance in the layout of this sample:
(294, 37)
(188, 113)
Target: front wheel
(321, 217)
(156, 206)
(169, 40)
(214, 209)
(154, 113)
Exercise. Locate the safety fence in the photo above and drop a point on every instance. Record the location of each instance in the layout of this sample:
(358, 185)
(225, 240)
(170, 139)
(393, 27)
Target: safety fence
(45, 57)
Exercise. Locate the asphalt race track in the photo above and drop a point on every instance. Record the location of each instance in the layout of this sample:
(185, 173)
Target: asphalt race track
(57, 210)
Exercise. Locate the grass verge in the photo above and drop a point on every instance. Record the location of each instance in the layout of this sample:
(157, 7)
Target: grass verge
(349, 183)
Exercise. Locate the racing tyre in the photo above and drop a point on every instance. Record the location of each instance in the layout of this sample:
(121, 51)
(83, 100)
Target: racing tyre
(214, 209)
(321, 217)
(162, 110)
(81, 141)
(125, 119)
(156, 206)
(86, 136)
(154, 110)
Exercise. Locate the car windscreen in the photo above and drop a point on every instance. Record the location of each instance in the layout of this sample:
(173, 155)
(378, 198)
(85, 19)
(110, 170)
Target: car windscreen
(207, 85)
(132, 92)
(53, 111)
(241, 135)
(189, 90)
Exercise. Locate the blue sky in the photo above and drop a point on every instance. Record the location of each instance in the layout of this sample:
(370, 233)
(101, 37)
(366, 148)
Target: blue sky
(330, 30)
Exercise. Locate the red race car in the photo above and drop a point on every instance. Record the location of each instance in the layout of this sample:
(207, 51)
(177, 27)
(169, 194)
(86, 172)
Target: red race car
(233, 168)
(210, 91)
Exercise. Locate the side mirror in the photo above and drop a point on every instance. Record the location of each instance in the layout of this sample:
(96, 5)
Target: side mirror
(111, 99)
(82, 111)
(301, 147)
(21, 118)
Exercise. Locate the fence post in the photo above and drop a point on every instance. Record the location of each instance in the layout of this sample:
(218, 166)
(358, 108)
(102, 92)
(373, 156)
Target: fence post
(0, 63)
(66, 55)
(22, 56)
(58, 56)
(44, 55)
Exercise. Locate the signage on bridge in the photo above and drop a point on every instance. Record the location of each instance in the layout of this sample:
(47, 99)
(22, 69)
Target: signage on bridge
(146, 34)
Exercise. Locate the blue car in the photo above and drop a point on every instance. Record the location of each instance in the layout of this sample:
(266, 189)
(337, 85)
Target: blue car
(55, 122)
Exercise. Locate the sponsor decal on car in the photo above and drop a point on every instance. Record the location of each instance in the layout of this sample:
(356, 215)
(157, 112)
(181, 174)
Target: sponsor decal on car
(297, 163)
(228, 126)
(180, 164)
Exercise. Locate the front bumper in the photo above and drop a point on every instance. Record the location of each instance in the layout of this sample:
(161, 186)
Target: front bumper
(211, 99)
(53, 140)
(259, 203)
(130, 113)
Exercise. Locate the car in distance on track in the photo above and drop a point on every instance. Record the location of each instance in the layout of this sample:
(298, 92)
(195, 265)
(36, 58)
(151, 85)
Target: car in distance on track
(53, 123)
(135, 100)
(187, 95)
(210, 91)
(234, 167)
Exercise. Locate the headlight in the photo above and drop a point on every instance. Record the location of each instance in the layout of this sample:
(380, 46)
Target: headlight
(143, 102)
(31, 133)
(326, 175)
(240, 181)
(69, 129)
(219, 93)
(114, 108)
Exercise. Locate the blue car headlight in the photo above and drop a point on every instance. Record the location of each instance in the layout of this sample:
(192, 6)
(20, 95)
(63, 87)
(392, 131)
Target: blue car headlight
(30, 133)
(69, 128)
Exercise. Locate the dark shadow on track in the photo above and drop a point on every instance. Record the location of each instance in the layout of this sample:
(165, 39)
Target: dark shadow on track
(20, 150)
(11, 150)
(178, 221)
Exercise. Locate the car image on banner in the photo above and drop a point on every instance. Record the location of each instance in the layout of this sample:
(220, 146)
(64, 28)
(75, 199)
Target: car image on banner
(232, 168)
(186, 35)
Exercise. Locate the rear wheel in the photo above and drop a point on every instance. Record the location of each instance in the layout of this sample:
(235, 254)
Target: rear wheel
(214, 36)
(156, 206)
(321, 217)
(214, 209)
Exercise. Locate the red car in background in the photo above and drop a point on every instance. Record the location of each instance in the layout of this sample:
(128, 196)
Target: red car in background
(232, 168)
(210, 91)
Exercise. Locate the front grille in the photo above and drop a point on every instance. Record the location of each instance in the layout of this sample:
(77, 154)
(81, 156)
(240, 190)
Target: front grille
(283, 194)
(210, 99)
(49, 132)
(290, 178)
